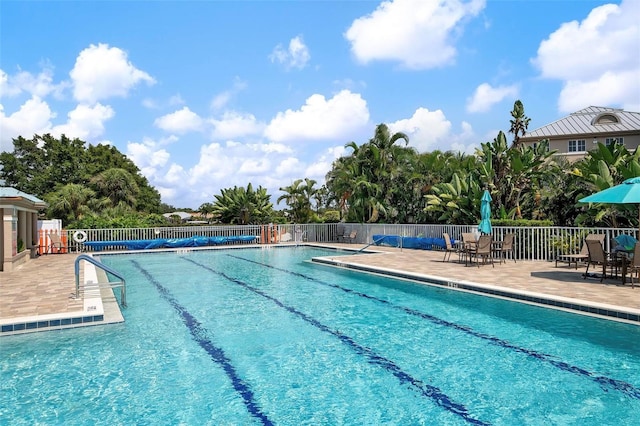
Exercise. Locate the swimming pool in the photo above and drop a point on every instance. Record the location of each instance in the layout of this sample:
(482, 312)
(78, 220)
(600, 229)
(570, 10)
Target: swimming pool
(255, 336)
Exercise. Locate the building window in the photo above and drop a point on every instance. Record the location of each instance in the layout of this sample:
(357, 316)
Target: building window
(611, 141)
(577, 145)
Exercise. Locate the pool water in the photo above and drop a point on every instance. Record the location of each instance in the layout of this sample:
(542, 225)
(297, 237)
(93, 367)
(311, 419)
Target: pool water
(262, 336)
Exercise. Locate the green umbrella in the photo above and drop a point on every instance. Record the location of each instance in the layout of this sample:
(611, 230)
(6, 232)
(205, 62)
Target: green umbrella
(628, 192)
(485, 213)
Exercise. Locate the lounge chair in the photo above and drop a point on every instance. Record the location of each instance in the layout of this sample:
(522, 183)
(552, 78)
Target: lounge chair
(506, 246)
(599, 257)
(483, 249)
(583, 256)
(56, 245)
(449, 248)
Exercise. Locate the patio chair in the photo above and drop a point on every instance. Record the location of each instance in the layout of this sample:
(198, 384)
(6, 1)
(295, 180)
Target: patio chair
(340, 232)
(505, 246)
(56, 245)
(599, 257)
(633, 265)
(352, 236)
(448, 247)
(583, 256)
(468, 244)
(483, 249)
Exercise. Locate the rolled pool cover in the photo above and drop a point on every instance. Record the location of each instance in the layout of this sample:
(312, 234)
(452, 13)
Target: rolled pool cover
(196, 241)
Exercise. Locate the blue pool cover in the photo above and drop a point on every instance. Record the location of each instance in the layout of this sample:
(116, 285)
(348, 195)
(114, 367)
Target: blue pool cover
(171, 242)
(424, 243)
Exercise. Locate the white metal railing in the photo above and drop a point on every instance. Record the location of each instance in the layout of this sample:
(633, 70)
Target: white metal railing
(531, 243)
(122, 283)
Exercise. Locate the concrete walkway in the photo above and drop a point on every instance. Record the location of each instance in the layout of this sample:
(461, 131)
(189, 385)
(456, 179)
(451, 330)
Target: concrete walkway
(44, 286)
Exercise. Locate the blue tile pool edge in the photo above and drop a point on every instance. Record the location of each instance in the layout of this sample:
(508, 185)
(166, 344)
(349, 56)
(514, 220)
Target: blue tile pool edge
(76, 319)
(576, 306)
(52, 324)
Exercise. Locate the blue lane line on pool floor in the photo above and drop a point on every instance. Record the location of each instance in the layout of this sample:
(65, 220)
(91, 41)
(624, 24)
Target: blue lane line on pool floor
(432, 392)
(603, 381)
(199, 334)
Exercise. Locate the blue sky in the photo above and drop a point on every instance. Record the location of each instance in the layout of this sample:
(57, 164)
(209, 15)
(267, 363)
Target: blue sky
(205, 95)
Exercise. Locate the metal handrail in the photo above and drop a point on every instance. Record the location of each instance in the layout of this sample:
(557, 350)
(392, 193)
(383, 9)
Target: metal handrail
(123, 288)
(370, 244)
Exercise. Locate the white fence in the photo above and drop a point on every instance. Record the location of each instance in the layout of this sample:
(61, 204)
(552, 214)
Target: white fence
(531, 243)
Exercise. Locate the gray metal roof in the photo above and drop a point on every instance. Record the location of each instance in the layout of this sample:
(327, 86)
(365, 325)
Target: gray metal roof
(7, 192)
(587, 122)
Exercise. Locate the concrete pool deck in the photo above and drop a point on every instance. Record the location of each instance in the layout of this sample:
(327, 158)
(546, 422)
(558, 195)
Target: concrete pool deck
(41, 290)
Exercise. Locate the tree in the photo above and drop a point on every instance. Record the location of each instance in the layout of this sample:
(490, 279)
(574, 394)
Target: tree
(70, 202)
(238, 205)
(602, 168)
(298, 197)
(519, 123)
(42, 164)
(364, 184)
(118, 185)
(457, 201)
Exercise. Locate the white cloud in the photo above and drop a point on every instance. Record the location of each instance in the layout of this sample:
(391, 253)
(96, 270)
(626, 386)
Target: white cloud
(33, 117)
(39, 85)
(467, 141)
(147, 157)
(222, 99)
(296, 56)
(419, 34)
(181, 121)
(173, 101)
(254, 166)
(289, 168)
(101, 72)
(593, 58)
(486, 96)
(321, 119)
(426, 129)
(319, 168)
(234, 124)
(85, 122)
(610, 88)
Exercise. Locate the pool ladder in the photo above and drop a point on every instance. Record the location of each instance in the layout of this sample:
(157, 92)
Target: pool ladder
(115, 284)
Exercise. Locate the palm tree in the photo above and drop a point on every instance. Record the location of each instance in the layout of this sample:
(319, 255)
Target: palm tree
(118, 185)
(70, 202)
(519, 123)
(365, 181)
(298, 197)
(242, 206)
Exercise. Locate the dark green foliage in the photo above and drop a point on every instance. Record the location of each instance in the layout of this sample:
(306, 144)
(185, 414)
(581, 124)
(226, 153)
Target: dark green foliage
(130, 220)
(520, 222)
(46, 167)
(242, 206)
